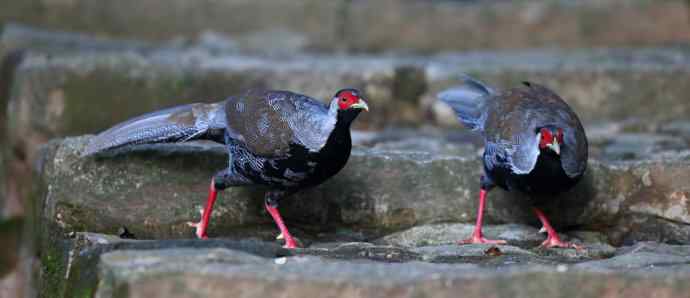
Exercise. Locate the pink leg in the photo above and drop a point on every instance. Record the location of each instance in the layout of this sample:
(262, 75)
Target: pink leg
(289, 241)
(206, 214)
(552, 240)
(477, 236)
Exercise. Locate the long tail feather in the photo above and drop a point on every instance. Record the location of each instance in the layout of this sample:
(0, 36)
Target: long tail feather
(467, 100)
(176, 124)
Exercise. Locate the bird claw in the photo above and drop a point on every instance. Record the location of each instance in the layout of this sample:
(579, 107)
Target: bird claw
(290, 243)
(542, 230)
(552, 242)
(199, 229)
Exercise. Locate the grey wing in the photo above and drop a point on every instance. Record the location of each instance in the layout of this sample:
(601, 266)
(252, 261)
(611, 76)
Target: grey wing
(514, 154)
(494, 155)
(522, 145)
(311, 122)
(512, 134)
(523, 152)
(513, 120)
(268, 122)
(468, 101)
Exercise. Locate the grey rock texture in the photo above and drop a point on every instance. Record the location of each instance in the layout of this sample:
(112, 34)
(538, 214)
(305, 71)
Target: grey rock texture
(155, 190)
(180, 268)
(106, 266)
(69, 263)
(445, 234)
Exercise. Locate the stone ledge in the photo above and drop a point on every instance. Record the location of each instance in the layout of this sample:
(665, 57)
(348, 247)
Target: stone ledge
(155, 190)
(107, 265)
(215, 273)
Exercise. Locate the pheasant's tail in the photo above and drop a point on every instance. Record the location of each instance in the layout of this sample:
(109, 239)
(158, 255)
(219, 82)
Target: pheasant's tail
(467, 101)
(176, 124)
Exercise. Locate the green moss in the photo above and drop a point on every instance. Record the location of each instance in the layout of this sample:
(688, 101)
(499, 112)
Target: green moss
(83, 276)
(52, 277)
(82, 279)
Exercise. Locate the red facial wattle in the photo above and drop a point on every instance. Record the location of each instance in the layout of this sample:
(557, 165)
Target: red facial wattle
(546, 138)
(347, 99)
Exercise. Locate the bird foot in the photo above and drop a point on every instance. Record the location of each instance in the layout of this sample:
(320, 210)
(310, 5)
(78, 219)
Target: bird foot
(290, 243)
(478, 239)
(551, 242)
(199, 227)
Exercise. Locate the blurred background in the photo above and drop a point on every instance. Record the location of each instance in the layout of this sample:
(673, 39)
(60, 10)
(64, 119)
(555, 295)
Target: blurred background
(74, 67)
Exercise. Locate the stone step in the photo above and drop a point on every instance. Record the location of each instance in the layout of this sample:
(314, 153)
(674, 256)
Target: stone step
(154, 190)
(215, 273)
(61, 89)
(112, 267)
(372, 26)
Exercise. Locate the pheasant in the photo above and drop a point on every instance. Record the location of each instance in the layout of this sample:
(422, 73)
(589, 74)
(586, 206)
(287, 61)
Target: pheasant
(279, 139)
(533, 143)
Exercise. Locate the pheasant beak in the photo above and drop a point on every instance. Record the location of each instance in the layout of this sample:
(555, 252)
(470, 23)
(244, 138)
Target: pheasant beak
(555, 146)
(361, 104)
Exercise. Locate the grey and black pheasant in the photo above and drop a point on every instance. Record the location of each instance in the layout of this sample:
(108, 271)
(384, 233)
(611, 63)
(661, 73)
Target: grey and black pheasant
(534, 143)
(280, 139)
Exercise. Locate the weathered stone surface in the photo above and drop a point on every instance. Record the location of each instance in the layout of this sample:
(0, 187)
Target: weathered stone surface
(680, 128)
(217, 272)
(437, 242)
(648, 256)
(88, 263)
(633, 146)
(440, 234)
(69, 265)
(420, 26)
(155, 190)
